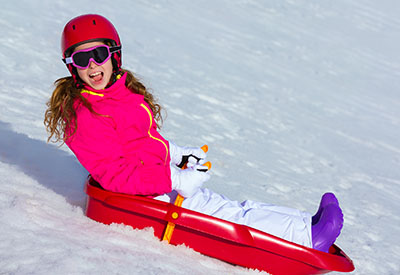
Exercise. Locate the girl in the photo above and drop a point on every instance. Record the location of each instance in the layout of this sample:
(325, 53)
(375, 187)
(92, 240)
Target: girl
(110, 121)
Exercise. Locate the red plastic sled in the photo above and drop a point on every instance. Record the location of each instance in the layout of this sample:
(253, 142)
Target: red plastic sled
(230, 242)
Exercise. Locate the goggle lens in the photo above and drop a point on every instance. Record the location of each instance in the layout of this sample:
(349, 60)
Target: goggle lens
(98, 54)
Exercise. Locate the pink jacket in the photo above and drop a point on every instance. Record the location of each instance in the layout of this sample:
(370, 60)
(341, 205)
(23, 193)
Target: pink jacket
(121, 148)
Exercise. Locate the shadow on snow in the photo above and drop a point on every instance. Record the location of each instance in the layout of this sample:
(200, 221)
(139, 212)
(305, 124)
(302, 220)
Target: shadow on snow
(47, 164)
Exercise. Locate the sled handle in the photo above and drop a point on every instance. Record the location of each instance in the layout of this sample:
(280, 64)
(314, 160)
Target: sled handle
(178, 202)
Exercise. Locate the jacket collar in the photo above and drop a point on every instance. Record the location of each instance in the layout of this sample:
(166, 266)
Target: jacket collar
(120, 83)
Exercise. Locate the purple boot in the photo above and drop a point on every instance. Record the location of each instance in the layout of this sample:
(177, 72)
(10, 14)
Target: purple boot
(327, 198)
(328, 228)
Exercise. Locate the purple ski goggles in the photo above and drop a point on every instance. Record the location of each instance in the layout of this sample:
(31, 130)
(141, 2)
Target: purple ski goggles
(98, 54)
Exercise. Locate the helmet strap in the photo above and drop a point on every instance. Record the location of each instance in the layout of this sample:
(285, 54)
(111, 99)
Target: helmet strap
(77, 80)
(116, 67)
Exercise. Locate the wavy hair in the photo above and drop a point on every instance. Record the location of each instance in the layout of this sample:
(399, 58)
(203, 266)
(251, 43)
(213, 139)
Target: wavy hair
(61, 115)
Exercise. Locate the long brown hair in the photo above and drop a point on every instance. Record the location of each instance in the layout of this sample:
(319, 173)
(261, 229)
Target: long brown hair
(60, 113)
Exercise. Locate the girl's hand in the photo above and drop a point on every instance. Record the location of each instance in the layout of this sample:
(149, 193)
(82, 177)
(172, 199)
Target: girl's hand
(182, 155)
(186, 182)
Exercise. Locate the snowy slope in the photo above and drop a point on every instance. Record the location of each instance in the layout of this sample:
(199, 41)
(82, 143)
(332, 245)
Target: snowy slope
(294, 99)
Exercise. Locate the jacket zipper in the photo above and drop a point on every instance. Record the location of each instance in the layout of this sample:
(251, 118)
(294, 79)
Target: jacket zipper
(150, 135)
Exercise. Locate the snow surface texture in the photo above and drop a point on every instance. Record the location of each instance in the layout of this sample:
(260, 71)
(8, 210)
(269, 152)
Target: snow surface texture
(294, 99)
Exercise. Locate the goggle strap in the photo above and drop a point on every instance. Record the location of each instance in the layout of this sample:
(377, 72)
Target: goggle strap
(67, 60)
(115, 49)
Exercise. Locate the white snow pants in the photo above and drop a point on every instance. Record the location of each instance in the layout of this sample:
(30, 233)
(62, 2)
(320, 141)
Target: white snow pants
(287, 223)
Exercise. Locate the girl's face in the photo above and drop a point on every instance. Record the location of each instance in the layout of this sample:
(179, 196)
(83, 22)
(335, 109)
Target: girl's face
(95, 76)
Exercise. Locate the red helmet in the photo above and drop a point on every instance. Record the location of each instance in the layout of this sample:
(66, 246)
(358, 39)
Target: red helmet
(86, 28)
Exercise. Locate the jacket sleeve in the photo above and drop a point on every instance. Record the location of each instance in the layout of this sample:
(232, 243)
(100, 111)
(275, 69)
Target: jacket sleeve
(97, 147)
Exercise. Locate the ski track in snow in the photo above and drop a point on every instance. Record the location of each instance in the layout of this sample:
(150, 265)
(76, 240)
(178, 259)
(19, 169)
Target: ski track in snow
(294, 99)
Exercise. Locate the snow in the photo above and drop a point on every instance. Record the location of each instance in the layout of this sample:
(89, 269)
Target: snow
(294, 99)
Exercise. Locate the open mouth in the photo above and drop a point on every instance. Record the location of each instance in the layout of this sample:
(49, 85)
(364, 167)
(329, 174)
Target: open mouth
(97, 76)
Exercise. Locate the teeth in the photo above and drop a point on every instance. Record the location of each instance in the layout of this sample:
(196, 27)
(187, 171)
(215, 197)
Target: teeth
(95, 74)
